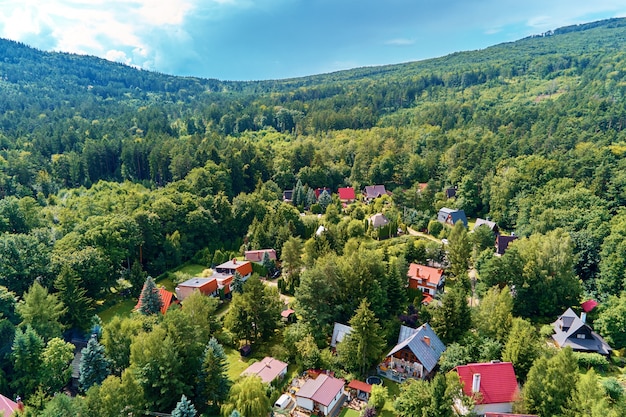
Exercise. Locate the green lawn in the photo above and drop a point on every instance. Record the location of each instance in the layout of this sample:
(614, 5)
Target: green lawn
(122, 309)
(348, 412)
(393, 389)
(236, 363)
(192, 269)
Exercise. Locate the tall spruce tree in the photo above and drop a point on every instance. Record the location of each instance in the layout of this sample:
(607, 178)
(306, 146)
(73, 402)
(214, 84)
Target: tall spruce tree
(214, 384)
(94, 366)
(362, 348)
(150, 298)
(184, 408)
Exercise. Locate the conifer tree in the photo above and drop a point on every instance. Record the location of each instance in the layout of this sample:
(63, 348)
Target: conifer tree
(214, 384)
(150, 298)
(184, 408)
(94, 366)
(268, 264)
(27, 349)
(363, 346)
(79, 307)
(237, 285)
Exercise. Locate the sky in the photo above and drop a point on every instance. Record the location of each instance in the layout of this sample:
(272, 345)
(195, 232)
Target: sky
(276, 39)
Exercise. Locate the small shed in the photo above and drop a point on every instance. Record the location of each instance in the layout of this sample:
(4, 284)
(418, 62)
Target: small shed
(361, 389)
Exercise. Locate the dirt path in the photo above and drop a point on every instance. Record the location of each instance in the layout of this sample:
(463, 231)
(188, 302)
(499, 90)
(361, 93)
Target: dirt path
(424, 235)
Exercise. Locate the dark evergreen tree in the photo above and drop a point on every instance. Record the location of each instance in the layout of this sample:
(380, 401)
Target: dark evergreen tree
(213, 383)
(268, 263)
(27, 349)
(150, 299)
(237, 285)
(78, 307)
(184, 408)
(94, 366)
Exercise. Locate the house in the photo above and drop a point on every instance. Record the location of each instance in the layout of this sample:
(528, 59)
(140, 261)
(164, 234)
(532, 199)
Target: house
(288, 196)
(492, 385)
(571, 330)
(493, 226)
(346, 195)
(421, 187)
(8, 407)
(450, 192)
(339, 333)
(323, 394)
(218, 283)
(167, 299)
(267, 369)
(288, 315)
(415, 356)
(257, 255)
(451, 216)
(503, 242)
(374, 191)
(378, 220)
(425, 278)
(319, 191)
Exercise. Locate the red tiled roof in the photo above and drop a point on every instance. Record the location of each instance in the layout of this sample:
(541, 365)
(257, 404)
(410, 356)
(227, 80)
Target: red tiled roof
(425, 273)
(497, 381)
(427, 299)
(7, 407)
(346, 193)
(589, 305)
(287, 313)
(360, 386)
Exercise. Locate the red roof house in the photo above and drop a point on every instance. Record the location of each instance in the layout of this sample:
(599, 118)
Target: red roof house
(324, 394)
(268, 369)
(257, 255)
(7, 407)
(589, 305)
(493, 386)
(346, 195)
(425, 278)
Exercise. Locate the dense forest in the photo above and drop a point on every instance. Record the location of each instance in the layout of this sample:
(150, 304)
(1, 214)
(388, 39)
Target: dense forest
(110, 174)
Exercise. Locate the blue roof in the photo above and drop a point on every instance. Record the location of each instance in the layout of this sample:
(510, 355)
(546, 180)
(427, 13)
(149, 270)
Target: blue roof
(451, 216)
(427, 353)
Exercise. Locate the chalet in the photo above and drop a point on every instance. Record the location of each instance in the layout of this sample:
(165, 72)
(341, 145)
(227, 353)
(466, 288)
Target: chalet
(218, 283)
(323, 394)
(340, 331)
(493, 386)
(267, 369)
(257, 255)
(288, 315)
(8, 407)
(451, 216)
(288, 196)
(493, 226)
(378, 220)
(346, 195)
(374, 191)
(415, 356)
(427, 279)
(167, 299)
(503, 242)
(570, 330)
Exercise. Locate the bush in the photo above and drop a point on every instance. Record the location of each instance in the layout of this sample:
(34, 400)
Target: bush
(316, 209)
(434, 227)
(546, 331)
(591, 360)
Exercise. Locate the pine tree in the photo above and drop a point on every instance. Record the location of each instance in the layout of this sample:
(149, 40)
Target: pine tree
(94, 365)
(452, 318)
(27, 349)
(268, 264)
(324, 200)
(310, 197)
(213, 381)
(184, 408)
(79, 307)
(237, 285)
(150, 298)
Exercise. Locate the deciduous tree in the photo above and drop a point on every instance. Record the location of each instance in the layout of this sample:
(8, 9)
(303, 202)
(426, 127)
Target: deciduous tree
(248, 397)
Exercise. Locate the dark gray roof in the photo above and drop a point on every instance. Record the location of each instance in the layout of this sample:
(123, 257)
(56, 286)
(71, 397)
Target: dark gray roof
(427, 353)
(569, 325)
(480, 222)
(339, 332)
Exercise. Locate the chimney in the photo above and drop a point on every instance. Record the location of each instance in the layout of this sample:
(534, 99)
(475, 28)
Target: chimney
(583, 317)
(235, 261)
(427, 340)
(476, 383)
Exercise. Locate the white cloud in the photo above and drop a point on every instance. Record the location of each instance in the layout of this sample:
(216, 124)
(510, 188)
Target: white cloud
(400, 42)
(117, 56)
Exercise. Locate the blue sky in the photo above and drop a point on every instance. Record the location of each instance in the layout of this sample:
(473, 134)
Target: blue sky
(270, 39)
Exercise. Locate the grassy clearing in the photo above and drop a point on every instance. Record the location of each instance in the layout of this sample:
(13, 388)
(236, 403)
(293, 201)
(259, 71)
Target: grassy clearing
(348, 412)
(122, 309)
(236, 363)
(393, 389)
(192, 269)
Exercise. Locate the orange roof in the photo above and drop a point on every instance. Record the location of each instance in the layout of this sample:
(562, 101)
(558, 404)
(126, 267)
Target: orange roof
(427, 274)
(427, 299)
(360, 386)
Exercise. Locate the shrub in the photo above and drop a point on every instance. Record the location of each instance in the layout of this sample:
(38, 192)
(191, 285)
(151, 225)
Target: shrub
(591, 360)
(434, 227)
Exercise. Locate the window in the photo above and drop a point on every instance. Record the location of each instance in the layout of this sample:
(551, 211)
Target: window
(580, 336)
